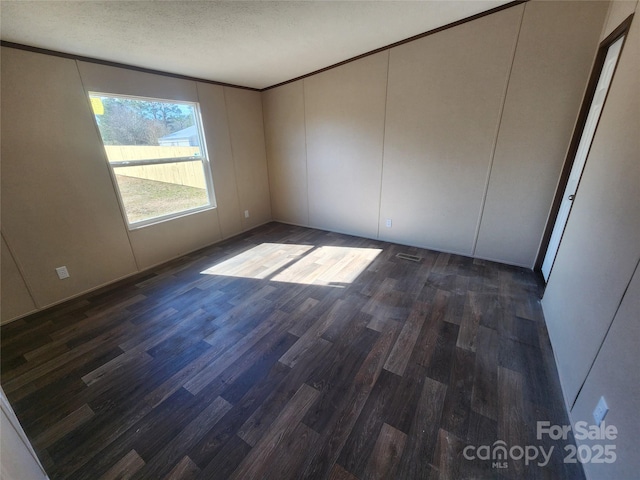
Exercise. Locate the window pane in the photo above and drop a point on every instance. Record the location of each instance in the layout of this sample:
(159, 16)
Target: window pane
(151, 191)
(137, 129)
(156, 153)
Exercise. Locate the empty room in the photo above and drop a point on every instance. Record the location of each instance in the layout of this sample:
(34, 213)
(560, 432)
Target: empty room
(338, 240)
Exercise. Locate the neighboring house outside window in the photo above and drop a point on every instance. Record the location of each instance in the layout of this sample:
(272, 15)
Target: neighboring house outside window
(187, 137)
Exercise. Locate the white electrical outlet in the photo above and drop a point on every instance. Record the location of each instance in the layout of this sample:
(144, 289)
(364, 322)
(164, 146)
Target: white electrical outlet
(388, 223)
(601, 411)
(62, 272)
(246, 214)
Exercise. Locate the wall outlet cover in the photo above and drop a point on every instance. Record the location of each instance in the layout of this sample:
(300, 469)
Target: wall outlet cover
(62, 272)
(601, 411)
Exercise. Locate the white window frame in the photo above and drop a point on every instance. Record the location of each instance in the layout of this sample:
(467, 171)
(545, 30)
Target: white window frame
(203, 158)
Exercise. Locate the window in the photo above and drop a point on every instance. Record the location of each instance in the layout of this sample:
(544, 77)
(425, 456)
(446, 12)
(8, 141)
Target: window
(157, 154)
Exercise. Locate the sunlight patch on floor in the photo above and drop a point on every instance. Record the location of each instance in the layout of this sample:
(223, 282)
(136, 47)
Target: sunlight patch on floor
(304, 264)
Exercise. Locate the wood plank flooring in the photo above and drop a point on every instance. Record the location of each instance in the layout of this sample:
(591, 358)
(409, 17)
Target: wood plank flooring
(289, 353)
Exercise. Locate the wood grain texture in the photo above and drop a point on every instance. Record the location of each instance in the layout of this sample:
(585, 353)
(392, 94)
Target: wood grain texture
(387, 372)
(386, 454)
(184, 470)
(399, 356)
(125, 468)
(254, 464)
(64, 426)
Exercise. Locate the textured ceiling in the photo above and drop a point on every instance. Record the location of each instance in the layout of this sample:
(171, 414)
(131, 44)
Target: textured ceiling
(250, 43)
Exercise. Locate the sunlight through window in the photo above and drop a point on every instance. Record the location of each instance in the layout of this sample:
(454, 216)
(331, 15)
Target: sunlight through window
(305, 264)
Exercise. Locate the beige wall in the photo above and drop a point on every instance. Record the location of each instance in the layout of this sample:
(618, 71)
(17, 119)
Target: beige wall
(615, 374)
(216, 132)
(105, 79)
(13, 287)
(555, 51)
(244, 113)
(287, 152)
(66, 211)
(157, 243)
(619, 10)
(410, 134)
(592, 322)
(444, 101)
(344, 117)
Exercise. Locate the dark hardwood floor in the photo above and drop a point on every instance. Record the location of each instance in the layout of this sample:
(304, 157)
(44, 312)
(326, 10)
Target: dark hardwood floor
(290, 353)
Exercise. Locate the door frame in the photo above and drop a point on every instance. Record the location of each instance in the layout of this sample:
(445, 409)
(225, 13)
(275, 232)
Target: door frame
(598, 64)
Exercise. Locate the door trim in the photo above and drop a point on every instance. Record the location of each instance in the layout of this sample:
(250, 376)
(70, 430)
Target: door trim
(598, 64)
